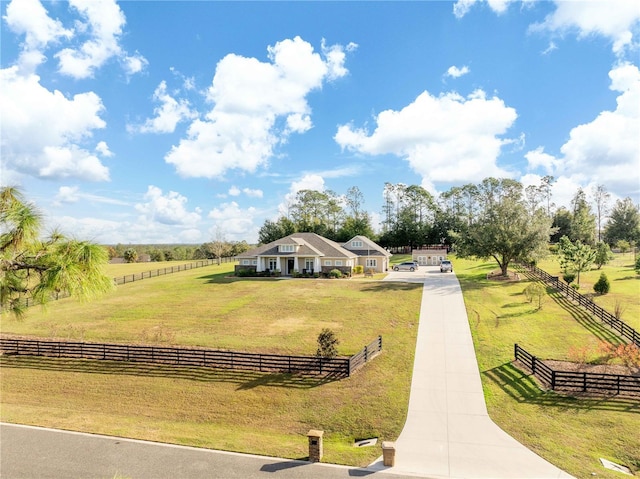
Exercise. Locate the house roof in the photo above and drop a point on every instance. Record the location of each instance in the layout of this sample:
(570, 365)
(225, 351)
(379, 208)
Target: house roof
(311, 244)
(369, 248)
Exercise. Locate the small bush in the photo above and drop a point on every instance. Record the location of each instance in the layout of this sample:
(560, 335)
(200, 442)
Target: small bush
(602, 286)
(575, 286)
(359, 269)
(637, 266)
(569, 277)
(327, 344)
(335, 273)
(537, 292)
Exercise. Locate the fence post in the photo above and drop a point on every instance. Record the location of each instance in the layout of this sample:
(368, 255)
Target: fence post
(584, 382)
(379, 343)
(553, 379)
(515, 350)
(533, 364)
(349, 367)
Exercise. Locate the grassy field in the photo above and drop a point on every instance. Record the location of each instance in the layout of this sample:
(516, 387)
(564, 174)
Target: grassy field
(262, 414)
(271, 414)
(625, 285)
(571, 433)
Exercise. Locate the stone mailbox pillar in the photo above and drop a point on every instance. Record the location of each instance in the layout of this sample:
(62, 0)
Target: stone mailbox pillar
(315, 445)
(388, 453)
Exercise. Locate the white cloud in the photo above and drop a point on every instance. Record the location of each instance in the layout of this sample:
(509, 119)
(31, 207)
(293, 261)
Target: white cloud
(256, 106)
(311, 181)
(168, 115)
(445, 139)
(30, 18)
(539, 159)
(462, 7)
(234, 191)
(44, 133)
(103, 149)
(72, 194)
(605, 150)
(613, 19)
(252, 193)
(456, 72)
(235, 222)
(169, 209)
(102, 22)
(134, 64)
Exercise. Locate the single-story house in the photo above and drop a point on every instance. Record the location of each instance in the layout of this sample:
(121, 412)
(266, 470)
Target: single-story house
(429, 256)
(312, 253)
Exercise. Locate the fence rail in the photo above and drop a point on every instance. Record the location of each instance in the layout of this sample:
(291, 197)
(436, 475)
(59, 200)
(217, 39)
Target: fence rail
(210, 358)
(130, 278)
(617, 325)
(577, 381)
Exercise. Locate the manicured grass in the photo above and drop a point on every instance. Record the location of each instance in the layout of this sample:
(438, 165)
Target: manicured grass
(239, 411)
(571, 433)
(625, 285)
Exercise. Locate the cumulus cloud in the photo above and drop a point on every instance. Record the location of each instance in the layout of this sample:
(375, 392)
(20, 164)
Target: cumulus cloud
(462, 7)
(605, 150)
(256, 106)
(167, 209)
(30, 18)
(456, 72)
(234, 221)
(448, 138)
(613, 19)
(167, 115)
(45, 133)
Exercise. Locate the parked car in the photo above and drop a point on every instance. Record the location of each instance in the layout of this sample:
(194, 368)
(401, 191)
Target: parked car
(406, 266)
(446, 266)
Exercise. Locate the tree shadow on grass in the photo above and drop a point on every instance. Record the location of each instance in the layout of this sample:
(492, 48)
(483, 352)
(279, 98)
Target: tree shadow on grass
(524, 388)
(244, 379)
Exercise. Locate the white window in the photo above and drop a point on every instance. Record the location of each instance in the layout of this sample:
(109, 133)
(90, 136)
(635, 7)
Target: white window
(356, 244)
(372, 262)
(254, 261)
(273, 264)
(327, 262)
(338, 262)
(245, 261)
(308, 264)
(287, 248)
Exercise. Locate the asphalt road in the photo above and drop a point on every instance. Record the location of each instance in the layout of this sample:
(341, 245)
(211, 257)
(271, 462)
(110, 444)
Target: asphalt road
(37, 453)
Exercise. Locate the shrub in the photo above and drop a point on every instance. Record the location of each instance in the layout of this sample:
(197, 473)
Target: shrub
(335, 273)
(359, 269)
(327, 343)
(602, 286)
(575, 286)
(568, 277)
(579, 354)
(637, 267)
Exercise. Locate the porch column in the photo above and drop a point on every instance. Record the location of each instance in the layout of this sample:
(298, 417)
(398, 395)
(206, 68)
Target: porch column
(295, 264)
(260, 265)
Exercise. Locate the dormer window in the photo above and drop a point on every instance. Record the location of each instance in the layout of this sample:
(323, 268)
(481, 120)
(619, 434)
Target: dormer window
(287, 248)
(356, 244)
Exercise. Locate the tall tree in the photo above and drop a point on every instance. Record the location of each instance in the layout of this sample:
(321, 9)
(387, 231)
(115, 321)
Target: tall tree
(575, 257)
(37, 268)
(273, 230)
(583, 221)
(504, 230)
(624, 223)
(601, 198)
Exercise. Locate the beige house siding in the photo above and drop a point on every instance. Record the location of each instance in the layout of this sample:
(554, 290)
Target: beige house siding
(429, 257)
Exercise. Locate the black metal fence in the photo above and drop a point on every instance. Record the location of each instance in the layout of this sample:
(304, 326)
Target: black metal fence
(603, 315)
(577, 381)
(210, 358)
(130, 278)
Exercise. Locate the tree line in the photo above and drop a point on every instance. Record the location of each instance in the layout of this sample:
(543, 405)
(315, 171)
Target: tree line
(412, 217)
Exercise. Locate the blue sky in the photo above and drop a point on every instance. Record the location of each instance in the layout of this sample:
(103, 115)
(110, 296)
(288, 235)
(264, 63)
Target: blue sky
(166, 122)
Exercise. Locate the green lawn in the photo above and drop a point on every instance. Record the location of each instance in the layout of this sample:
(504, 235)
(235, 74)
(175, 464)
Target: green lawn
(625, 285)
(271, 414)
(238, 411)
(571, 433)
